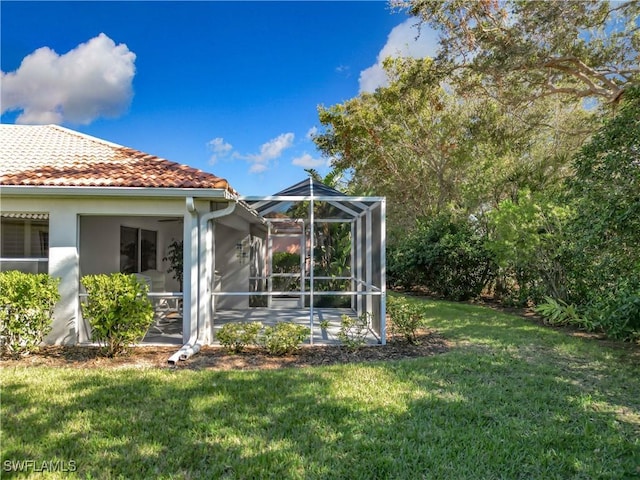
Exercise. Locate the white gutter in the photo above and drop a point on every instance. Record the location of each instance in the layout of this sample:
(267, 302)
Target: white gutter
(149, 192)
(194, 344)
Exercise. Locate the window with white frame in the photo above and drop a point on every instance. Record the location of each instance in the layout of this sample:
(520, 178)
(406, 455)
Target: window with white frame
(24, 242)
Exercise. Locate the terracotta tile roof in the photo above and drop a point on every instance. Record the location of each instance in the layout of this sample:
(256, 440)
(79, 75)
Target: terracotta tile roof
(49, 155)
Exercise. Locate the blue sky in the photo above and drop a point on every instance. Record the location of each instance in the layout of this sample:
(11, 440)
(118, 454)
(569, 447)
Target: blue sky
(228, 87)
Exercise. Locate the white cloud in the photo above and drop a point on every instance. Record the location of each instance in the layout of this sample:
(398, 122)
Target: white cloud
(269, 151)
(403, 41)
(307, 161)
(220, 149)
(258, 168)
(311, 133)
(273, 148)
(344, 69)
(92, 80)
(259, 162)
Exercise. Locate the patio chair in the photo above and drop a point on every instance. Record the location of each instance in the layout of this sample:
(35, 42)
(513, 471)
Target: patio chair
(157, 280)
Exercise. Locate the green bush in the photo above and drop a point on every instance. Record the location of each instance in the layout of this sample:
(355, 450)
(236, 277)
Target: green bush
(353, 330)
(284, 337)
(444, 254)
(616, 311)
(118, 310)
(26, 306)
(529, 245)
(235, 336)
(405, 318)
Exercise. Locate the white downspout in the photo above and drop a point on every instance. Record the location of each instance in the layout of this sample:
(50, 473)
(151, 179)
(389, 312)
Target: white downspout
(194, 343)
(194, 251)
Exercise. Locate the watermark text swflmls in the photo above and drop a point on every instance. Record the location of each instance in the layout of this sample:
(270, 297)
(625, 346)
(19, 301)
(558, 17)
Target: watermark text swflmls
(30, 465)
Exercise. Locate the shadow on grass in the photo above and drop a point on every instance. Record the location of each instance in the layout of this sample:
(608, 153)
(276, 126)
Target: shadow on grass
(521, 402)
(451, 416)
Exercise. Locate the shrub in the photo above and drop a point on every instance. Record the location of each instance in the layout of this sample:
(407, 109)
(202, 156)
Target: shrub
(353, 331)
(235, 336)
(445, 254)
(528, 243)
(26, 307)
(284, 337)
(405, 319)
(558, 312)
(617, 310)
(118, 310)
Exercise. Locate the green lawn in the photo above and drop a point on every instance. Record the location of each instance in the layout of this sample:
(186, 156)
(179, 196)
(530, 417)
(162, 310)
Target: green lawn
(510, 400)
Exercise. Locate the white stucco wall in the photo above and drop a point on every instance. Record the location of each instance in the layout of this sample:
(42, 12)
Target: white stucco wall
(233, 270)
(65, 245)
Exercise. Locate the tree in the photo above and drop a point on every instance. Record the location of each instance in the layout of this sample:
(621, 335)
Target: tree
(402, 142)
(524, 49)
(606, 196)
(444, 254)
(175, 259)
(429, 150)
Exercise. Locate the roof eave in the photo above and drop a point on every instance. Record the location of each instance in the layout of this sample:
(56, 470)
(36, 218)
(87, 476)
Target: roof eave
(145, 192)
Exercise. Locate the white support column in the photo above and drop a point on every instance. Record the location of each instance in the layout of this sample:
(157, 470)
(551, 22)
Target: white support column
(311, 264)
(205, 245)
(190, 275)
(359, 265)
(270, 260)
(206, 273)
(352, 265)
(383, 272)
(207, 300)
(64, 263)
(303, 260)
(369, 267)
(26, 241)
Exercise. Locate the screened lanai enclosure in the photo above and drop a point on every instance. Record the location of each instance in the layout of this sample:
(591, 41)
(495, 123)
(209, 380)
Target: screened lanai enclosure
(320, 254)
(308, 254)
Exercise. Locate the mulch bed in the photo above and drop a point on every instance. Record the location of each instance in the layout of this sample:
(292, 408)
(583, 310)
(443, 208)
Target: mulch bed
(429, 343)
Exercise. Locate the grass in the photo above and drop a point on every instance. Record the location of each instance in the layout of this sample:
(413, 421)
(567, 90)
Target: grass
(511, 400)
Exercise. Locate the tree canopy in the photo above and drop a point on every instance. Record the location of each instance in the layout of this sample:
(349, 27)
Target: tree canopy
(606, 193)
(430, 151)
(536, 48)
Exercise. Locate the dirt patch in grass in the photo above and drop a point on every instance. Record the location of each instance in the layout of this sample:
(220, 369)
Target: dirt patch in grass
(429, 343)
